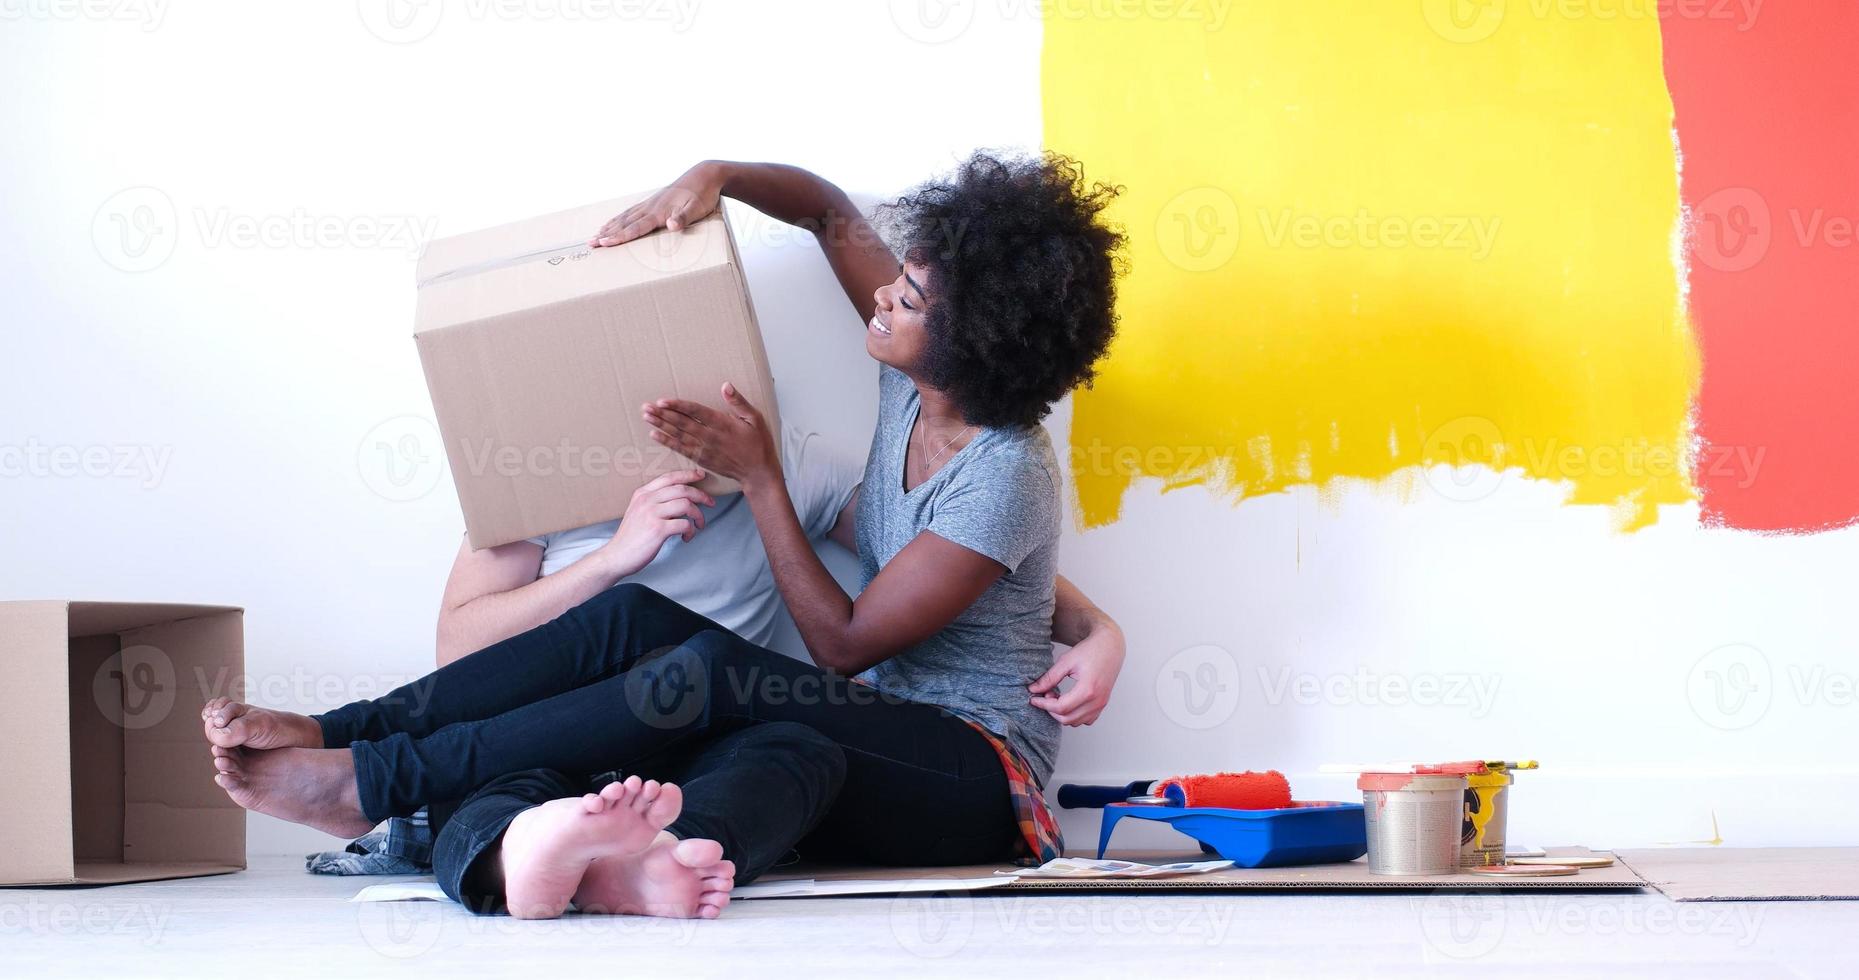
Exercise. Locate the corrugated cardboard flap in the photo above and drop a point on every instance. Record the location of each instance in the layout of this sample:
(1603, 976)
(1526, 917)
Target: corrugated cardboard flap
(35, 766)
(173, 811)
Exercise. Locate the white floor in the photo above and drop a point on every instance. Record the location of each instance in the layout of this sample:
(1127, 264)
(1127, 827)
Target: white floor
(275, 921)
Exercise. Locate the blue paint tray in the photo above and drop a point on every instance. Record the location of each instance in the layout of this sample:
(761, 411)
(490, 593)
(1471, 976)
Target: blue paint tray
(1302, 833)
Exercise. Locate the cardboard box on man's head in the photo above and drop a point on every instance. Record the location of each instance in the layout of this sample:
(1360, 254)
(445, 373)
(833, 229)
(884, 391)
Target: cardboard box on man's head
(106, 772)
(539, 351)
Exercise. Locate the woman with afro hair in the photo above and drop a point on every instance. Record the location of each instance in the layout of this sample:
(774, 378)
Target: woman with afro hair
(997, 301)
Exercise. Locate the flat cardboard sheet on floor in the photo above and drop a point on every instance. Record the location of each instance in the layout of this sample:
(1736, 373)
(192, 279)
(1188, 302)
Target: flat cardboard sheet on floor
(1739, 874)
(1352, 875)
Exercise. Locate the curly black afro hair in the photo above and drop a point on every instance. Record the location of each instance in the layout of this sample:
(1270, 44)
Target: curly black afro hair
(1023, 281)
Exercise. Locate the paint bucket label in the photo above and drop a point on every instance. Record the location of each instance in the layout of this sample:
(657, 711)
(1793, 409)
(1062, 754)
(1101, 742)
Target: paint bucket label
(1413, 830)
(1482, 824)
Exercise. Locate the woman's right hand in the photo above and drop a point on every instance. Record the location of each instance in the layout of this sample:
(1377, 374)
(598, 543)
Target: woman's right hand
(689, 198)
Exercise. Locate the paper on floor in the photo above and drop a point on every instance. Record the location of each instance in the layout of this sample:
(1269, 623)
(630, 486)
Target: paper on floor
(1083, 868)
(428, 891)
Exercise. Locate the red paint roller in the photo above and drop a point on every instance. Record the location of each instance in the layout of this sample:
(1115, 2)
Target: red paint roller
(1266, 790)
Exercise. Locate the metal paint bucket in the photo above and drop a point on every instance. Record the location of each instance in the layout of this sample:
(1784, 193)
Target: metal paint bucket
(1487, 806)
(1413, 822)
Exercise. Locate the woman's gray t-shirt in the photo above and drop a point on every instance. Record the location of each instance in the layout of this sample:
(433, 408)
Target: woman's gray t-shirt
(998, 496)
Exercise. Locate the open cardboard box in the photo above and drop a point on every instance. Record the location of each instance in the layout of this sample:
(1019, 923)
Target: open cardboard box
(106, 777)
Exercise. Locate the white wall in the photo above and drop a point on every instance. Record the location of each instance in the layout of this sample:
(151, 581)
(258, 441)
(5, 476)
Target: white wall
(250, 382)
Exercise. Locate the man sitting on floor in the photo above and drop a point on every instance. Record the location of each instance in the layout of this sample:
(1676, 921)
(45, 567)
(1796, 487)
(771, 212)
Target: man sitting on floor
(706, 554)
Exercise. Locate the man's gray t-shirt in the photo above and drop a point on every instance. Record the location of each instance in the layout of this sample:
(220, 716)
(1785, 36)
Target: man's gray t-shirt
(723, 572)
(998, 496)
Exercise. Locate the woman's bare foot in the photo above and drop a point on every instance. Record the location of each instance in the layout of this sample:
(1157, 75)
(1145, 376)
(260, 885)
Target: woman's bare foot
(314, 787)
(231, 724)
(609, 852)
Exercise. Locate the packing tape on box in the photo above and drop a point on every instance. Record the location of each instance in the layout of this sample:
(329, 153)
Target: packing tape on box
(553, 254)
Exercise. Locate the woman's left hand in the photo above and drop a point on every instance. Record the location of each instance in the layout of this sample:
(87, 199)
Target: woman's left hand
(735, 444)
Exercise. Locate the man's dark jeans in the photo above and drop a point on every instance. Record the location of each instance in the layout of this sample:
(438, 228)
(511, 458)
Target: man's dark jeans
(630, 677)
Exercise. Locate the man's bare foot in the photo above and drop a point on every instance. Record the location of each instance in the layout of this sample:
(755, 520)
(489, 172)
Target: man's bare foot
(231, 724)
(314, 787)
(609, 852)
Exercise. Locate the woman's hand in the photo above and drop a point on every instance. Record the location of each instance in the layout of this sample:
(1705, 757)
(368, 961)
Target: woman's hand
(735, 444)
(1093, 665)
(689, 198)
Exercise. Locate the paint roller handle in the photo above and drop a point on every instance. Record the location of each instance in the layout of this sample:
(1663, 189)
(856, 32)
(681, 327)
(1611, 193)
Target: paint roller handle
(1073, 796)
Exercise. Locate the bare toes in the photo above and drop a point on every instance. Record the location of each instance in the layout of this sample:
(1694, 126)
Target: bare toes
(666, 807)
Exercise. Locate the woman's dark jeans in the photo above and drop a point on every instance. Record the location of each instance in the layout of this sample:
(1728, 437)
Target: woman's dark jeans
(630, 676)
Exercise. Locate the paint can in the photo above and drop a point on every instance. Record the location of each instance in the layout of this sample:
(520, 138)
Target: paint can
(1487, 805)
(1413, 822)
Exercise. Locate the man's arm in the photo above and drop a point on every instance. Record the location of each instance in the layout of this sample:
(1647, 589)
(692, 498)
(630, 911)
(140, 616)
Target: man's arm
(496, 593)
(1093, 662)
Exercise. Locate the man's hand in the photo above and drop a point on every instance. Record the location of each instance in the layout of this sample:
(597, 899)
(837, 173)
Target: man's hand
(661, 510)
(735, 444)
(691, 197)
(1093, 665)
